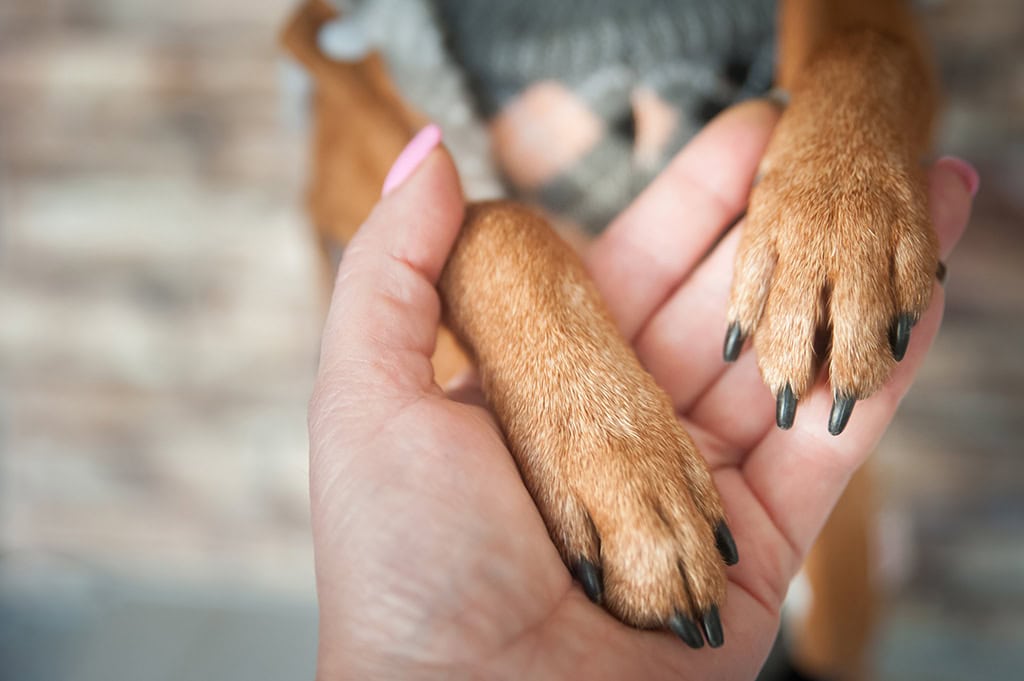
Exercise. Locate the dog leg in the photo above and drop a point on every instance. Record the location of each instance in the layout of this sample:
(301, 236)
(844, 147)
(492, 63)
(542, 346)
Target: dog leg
(626, 497)
(837, 235)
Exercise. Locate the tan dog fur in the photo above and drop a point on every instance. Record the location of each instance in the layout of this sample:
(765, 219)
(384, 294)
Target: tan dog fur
(615, 476)
(838, 233)
(837, 236)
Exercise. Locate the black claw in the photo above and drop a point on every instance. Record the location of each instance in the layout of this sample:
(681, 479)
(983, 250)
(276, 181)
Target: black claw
(733, 342)
(686, 629)
(785, 408)
(842, 407)
(899, 335)
(712, 625)
(589, 576)
(726, 544)
(940, 273)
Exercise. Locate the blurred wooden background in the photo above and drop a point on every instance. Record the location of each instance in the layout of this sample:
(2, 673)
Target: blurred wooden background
(159, 310)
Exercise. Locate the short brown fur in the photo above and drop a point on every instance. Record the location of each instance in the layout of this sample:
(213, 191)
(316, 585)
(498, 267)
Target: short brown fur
(616, 477)
(838, 233)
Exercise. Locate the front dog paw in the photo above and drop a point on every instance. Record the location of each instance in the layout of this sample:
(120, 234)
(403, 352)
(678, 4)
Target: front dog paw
(631, 507)
(837, 239)
(626, 497)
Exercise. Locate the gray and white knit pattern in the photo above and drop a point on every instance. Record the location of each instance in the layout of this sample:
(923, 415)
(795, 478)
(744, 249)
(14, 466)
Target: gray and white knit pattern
(604, 48)
(461, 61)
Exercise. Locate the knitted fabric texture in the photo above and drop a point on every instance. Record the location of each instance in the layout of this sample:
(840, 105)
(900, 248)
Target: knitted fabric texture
(462, 61)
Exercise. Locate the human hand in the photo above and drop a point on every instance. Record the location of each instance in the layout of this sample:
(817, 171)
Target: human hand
(431, 559)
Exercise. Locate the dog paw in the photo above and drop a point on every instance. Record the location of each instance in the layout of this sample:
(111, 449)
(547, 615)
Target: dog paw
(631, 507)
(626, 497)
(838, 257)
(837, 260)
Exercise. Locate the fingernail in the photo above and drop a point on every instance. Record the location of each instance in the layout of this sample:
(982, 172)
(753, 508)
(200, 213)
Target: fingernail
(726, 544)
(965, 170)
(712, 625)
(411, 157)
(842, 407)
(686, 629)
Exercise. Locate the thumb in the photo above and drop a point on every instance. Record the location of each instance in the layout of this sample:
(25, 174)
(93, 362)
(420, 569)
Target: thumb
(382, 323)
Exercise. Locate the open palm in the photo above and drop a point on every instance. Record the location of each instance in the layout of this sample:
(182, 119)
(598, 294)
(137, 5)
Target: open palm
(432, 561)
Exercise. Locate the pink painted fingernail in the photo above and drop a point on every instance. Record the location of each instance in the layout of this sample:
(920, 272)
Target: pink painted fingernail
(966, 171)
(411, 157)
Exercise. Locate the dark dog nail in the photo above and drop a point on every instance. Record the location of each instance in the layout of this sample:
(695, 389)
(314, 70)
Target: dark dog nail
(726, 544)
(712, 625)
(733, 342)
(899, 335)
(686, 629)
(589, 576)
(785, 408)
(842, 407)
(940, 273)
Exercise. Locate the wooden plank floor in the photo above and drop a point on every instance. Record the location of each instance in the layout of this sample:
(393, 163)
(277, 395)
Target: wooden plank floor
(159, 311)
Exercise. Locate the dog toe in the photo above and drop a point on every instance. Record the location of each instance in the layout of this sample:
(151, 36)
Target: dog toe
(855, 261)
(755, 265)
(662, 566)
(785, 338)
